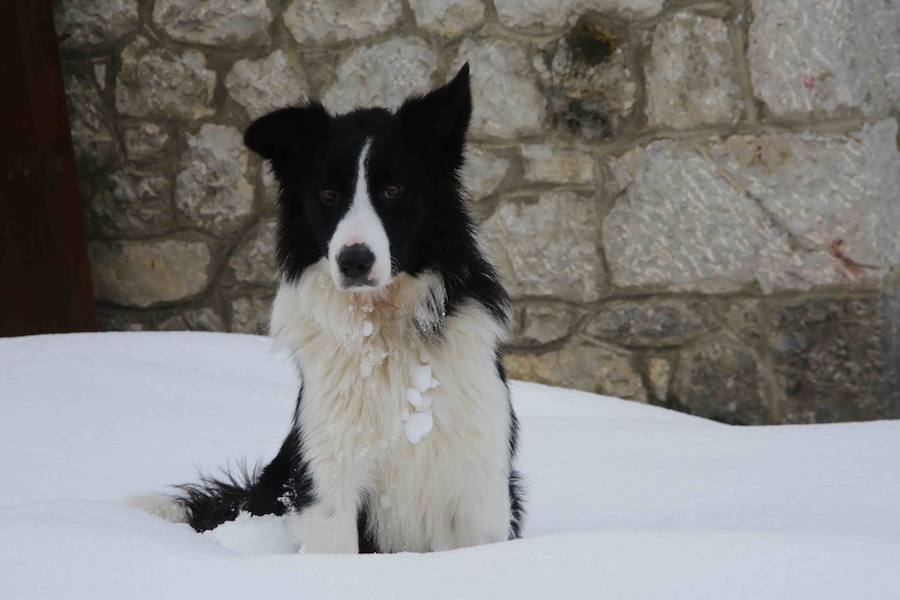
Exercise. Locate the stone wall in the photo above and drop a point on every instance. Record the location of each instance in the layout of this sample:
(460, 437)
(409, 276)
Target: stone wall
(694, 203)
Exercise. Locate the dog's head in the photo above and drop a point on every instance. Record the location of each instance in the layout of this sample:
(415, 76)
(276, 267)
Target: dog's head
(368, 189)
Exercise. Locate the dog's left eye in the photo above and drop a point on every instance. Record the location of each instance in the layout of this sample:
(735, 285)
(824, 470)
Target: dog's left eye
(392, 191)
(328, 196)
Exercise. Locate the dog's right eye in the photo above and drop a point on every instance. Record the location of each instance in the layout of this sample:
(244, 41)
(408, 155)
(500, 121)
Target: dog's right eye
(328, 196)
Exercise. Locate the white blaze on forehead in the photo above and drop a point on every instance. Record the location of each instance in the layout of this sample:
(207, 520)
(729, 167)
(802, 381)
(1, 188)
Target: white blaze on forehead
(362, 225)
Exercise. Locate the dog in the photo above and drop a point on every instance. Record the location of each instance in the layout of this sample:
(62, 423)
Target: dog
(403, 437)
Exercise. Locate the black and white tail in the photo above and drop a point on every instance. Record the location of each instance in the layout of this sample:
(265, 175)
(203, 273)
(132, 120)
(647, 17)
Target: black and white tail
(212, 501)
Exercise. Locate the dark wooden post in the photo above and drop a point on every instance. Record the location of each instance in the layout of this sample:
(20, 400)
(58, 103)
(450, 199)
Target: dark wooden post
(45, 282)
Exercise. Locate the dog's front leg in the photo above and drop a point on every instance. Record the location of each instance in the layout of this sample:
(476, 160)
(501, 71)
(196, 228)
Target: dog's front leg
(329, 525)
(326, 529)
(483, 513)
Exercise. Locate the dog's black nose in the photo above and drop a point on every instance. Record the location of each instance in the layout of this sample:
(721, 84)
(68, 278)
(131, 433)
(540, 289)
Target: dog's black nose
(355, 262)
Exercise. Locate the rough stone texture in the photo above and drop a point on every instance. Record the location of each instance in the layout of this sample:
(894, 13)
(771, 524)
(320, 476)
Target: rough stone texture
(538, 324)
(254, 259)
(602, 369)
(382, 75)
(789, 211)
(263, 85)
(141, 273)
(650, 323)
(449, 18)
(157, 81)
(505, 95)
(620, 171)
(315, 21)
(720, 380)
(548, 248)
(201, 319)
(100, 69)
(146, 141)
(86, 23)
(691, 74)
(837, 360)
(832, 192)
(652, 253)
(126, 202)
(112, 320)
(483, 171)
(746, 319)
(652, 235)
(550, 164)
(251, 315)
(213, 21)
(552, 14)
(808, 60)
(591, 87)
(93, 139)
(212, 189)
(659, 373)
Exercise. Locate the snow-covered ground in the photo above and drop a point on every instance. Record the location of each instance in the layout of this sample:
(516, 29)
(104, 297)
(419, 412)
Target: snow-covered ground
(624, 500)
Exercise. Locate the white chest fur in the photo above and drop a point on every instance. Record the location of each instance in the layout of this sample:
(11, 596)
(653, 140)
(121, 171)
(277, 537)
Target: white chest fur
(417, 429)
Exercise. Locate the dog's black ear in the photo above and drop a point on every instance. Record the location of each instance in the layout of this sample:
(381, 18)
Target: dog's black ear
(288, 133)
(440, 118)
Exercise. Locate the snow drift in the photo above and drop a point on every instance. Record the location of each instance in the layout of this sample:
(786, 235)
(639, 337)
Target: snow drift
(624, 500)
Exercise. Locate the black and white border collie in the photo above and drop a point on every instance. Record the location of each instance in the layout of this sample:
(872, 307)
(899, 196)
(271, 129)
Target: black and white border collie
(403, 437)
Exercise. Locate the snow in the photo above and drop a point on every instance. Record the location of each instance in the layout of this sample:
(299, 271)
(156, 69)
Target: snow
(421, 377)
(249, 534)
(417, 426)
(414, 397)
(367, 328)
(624, 500)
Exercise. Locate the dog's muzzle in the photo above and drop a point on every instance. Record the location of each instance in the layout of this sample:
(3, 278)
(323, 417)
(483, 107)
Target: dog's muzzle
(355, 264)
